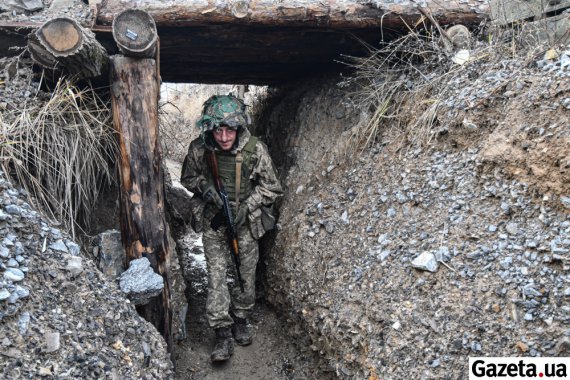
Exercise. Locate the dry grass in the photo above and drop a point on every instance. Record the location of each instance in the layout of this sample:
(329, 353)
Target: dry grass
(59, 150)
(414, 73)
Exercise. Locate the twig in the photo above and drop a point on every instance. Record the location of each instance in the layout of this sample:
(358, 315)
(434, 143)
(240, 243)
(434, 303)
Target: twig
(448, 267)
(449, 43)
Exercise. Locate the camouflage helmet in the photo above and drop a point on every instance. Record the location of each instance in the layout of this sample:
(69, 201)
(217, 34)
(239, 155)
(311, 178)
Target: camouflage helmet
(223, 110)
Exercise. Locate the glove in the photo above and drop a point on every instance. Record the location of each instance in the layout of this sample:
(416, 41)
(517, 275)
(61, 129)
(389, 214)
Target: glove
(211, 195)
(241, 215)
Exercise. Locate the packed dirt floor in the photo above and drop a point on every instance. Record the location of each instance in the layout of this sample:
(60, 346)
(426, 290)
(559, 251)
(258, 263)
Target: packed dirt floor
(272, 355)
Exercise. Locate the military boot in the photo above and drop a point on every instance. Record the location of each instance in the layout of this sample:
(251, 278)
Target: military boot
(224, 345)
(241, 332)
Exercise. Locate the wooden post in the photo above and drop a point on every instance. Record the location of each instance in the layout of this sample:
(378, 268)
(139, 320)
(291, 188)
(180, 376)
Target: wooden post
(63, 43)
(144, 229)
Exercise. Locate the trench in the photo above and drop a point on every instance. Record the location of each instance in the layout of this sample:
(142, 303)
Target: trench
(273, 354)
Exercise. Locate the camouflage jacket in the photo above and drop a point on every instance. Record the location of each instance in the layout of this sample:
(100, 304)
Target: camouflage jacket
(266, 186)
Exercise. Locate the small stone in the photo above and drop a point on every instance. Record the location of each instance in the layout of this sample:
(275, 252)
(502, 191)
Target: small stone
(329, 226)
(496, 308)
(384, 255)
(506, 208)
(74, 249)
(23, 323)
(492, 228)
(443, 254)
(140, 282)
(4, 217)
(21, 291)
(426, 261)
(528, 317)
(14, 274)
(59, 245)
(521, 346)
(435, 363)
(344, 217)
(52, 342)
(391, 213)
(330, 168)
(300, 189)
(512, 228)
(4, 252)
(74, 265)
(44, 372)
(549, 321)
(4, 294)
(401, 198)
(13, 209)
(12, 263)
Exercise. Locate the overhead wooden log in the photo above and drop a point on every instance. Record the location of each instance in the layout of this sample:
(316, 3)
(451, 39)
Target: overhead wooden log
(331, 13)
(144, 230)
(61, 43)
(135, 33)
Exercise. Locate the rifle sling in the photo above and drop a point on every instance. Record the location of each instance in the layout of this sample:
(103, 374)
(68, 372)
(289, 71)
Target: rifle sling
(239, 160)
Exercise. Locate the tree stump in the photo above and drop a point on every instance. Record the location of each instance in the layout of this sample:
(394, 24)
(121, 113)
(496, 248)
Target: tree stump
(144, 229)
(62, 43)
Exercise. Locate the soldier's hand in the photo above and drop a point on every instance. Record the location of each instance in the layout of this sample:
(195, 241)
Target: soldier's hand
(211, 195)
(241, 215)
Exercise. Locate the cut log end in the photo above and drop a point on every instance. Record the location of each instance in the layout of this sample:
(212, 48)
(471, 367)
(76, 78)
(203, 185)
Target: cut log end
(135, 33)
(61, 35)
(63, 43)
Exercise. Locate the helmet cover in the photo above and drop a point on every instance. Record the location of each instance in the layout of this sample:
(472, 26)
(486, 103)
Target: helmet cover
(222, 110)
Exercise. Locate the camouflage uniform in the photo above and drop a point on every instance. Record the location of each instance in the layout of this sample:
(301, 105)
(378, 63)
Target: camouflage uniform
(266, 190)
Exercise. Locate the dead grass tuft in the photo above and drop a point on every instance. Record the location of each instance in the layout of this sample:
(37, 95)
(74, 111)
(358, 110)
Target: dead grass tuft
(415, 73)
(59, 150)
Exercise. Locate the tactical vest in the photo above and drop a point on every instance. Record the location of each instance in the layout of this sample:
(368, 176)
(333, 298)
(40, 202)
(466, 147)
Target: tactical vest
(227, 170)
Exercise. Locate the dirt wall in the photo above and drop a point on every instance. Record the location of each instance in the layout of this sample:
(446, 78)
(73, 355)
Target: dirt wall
(490, 212)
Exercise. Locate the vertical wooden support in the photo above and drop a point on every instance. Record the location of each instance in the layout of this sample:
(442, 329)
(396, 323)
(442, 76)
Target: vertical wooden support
(144, 230)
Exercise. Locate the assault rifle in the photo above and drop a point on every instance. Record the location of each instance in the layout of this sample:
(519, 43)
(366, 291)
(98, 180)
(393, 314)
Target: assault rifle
(225, 216)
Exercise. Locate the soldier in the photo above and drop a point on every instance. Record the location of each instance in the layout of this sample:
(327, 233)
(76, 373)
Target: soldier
(250, 180)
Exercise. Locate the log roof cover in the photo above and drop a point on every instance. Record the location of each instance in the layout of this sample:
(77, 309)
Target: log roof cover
(267, 41)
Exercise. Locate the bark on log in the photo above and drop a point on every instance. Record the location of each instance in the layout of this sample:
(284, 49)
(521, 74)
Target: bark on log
(62, 43)
(332, 13)
(144, 229)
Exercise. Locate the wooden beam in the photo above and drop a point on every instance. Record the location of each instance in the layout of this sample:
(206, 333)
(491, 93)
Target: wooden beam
(306, 13)
(144, 229)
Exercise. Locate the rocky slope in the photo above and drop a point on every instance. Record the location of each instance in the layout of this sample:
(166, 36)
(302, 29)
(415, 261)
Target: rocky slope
(485, 204)
(60, 316)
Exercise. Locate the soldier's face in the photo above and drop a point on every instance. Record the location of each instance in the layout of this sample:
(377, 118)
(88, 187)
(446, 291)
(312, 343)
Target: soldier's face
(225, 137)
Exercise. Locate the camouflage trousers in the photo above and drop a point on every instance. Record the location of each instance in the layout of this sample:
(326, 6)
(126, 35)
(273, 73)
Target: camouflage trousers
(223, 296)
